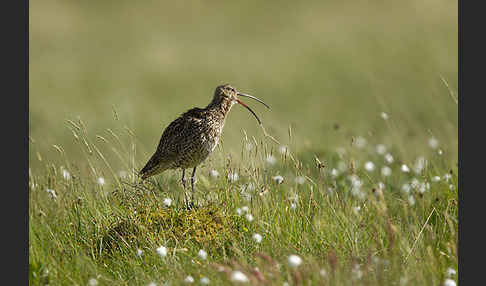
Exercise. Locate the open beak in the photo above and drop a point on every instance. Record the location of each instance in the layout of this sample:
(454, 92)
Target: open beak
(246, 95)
(246, 106)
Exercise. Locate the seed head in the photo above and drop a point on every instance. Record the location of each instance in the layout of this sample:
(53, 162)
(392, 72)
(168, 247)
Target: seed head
(162, 251)
(294, 261)
(238, 276)
(449, 282)
(257, 238)
(204, 280)
(189, 279)
(202, 254)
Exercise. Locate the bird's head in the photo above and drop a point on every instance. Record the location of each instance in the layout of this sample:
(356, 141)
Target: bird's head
(226, 94)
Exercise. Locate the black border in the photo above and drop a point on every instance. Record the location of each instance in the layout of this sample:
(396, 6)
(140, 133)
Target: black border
(15, 121)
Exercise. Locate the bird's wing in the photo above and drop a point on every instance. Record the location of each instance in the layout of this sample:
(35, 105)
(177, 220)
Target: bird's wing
(174, 142)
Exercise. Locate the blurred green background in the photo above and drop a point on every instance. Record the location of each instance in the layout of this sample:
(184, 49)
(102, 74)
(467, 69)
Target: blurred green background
(327, 69)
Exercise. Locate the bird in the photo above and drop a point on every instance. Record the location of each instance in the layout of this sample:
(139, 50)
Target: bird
(189, 139)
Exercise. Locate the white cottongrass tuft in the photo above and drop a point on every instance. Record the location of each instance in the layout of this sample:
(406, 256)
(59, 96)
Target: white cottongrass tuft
(245, 209)
(52, 193)
(360, 142)
(294, 261)
(389, 158)
(386, 171)
(238, 276)
(451, 272)
(381, 185)
(139, 252)
(271, 159)
(334, 172)
(92, 282)
(162, 251)
(384, 115)
(202, 254)
(433, 143)
(358, 193)
(411, 200)
(214, 173)
(283, 149)
(278, 179)
(356, 209)
(369, 166)
(101, 181)
(65, 174)
(239, 212)
(300, 180)
(435, 179)
(419, 165)
(447, 177)
(451, 187)
(152, 284)
(380, 149)
(167, 202)
(293, 206)
(415, 183)
(423, 187)
(405, 168)
(249, 217)
(449, 282)
(233, 177)
(330, 191)
(440, 152)
(355, 181)
(257, 238)
(204, 280)
(189, 279)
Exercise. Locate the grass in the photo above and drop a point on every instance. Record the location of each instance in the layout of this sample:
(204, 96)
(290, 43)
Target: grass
(355, 225)
(106, 78)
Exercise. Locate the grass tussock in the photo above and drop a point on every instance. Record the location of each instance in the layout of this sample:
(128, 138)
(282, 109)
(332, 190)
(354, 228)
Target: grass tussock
(151, 224)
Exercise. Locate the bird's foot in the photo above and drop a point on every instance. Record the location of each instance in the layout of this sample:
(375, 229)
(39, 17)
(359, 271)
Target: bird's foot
(191, 205)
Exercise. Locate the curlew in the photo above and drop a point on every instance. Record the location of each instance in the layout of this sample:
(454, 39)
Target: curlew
(189, 139)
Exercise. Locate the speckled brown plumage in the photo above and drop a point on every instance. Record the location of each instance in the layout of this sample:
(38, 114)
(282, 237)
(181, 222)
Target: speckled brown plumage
(189, 139)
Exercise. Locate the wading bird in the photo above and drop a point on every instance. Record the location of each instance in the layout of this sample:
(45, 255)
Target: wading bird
(190, 138)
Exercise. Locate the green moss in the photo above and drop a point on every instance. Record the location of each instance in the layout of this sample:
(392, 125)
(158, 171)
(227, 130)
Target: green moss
(151, 224)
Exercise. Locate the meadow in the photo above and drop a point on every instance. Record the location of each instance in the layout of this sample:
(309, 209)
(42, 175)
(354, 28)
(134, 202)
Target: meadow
(354, 184)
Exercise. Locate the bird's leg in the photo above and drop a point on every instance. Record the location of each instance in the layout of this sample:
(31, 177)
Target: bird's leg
(183, 181)
(193, 179)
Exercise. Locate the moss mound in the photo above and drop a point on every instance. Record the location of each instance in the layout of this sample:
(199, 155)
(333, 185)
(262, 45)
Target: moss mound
(152, 224)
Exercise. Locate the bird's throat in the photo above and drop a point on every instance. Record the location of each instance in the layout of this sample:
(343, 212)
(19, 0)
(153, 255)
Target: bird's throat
(220, 108)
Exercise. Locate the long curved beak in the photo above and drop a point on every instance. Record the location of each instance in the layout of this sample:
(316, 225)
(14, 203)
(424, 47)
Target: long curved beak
(246, 95)
(246, 106)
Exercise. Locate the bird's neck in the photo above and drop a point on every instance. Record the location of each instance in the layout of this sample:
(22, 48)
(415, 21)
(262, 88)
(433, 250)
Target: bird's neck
(220, 108)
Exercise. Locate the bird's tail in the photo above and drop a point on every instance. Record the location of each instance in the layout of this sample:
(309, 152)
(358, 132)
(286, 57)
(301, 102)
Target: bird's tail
(146, 172)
